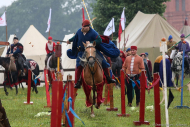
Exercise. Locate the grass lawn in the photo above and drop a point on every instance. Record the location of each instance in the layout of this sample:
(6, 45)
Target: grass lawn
(21, 115)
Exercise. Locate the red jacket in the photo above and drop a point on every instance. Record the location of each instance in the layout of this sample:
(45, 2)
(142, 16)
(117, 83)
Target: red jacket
(47, 49)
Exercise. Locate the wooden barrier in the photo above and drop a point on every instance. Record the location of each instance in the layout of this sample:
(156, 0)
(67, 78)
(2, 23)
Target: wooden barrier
(29, 87)
(123, 112)
(47, 89)
(143, 83)
(157, 101)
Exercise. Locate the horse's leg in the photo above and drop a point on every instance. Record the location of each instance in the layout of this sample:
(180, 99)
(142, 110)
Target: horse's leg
(173, 77)
(35, 88)
(16, 89)
(5, 89)
(177, 78)
(22, 86)
(92, 111)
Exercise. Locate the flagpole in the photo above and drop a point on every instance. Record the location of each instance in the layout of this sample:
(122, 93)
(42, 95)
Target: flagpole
(124, 29)
(6, 26)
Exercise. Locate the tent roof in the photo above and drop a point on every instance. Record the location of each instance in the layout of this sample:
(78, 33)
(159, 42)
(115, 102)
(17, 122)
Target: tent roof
(146, 31)
(185, 29)
(34, 42)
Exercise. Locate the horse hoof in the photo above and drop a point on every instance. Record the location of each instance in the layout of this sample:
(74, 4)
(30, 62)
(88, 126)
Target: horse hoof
(92, 115)
(36, 92)
(7, 93)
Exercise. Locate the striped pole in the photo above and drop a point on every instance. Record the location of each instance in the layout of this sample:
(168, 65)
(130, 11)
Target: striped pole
(88, 14)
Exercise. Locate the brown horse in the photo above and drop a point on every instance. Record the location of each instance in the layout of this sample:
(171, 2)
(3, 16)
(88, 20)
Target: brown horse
(13, 75)
(92, 77)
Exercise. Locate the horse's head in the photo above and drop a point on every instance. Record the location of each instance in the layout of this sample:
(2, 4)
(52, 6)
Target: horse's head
(90, 52)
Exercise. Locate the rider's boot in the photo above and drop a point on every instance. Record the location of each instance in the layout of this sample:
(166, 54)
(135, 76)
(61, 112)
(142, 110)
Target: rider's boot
(78, 78)
(109, 79)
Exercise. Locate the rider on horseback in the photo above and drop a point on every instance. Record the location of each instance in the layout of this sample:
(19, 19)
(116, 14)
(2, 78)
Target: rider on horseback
(16, 51)
(50, 49)
(87, 35)
(179, 47)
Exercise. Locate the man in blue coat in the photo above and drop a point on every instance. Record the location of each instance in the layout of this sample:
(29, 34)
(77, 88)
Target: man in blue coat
(180, 48)
(16, 50)
(87, 35)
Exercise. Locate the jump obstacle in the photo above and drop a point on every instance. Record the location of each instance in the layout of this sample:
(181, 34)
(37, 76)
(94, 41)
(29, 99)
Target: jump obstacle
(143, 83)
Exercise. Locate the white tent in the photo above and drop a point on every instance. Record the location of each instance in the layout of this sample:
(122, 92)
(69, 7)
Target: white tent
(34, 46)
(185, 29)
(66, 61)
(146, 31)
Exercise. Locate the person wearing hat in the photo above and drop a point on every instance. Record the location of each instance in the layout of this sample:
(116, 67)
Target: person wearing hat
(180, 49)
(87, 35)
(149, 63)
(16, 51)
(132, 66)
(170, 43)
(50, 49)
(128, 52)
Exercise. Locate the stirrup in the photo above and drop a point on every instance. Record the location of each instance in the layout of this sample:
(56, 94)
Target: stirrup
(110, 80)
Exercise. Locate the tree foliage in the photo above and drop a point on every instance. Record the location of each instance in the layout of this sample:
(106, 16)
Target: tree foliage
(66, 17)
(104, 10)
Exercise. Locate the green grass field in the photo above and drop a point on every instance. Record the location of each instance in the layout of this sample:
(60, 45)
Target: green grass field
(21, 115)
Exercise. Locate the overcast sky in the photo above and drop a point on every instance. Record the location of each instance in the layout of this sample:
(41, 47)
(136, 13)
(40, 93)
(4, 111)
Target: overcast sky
(6, 2)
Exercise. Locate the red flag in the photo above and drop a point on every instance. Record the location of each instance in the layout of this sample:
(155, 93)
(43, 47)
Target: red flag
(120, 31)
(83, 17)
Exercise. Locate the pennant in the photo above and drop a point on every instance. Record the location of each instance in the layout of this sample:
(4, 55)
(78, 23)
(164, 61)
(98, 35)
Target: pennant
(49, 21)
(123, 20)
(110, 28)
(83, 16)
(119, 32)
(171, 97)
(3, 21)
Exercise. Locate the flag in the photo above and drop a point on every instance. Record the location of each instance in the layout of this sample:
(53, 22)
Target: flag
(123, 19)
(110, 28)
(171, 97)
(83, 16)
(49, 21)
(3, 21)
(119, 32)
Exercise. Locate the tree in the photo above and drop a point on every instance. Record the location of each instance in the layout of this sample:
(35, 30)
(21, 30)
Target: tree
(104, 10)
(66, 17)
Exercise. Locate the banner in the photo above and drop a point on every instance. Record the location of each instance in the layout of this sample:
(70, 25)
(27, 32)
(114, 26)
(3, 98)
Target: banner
(49, 22)
(110, 28)
(3, 20)
(123, 20)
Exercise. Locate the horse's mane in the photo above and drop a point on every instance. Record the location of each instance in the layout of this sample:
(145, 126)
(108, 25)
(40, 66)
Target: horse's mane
(89, 45)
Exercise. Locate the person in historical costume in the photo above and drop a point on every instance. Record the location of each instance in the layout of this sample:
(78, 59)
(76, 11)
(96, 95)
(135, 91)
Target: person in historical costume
(16, 50)
(180, 49)
(157, 64)
(168, 72)
(50, 49)
(122, 56)
(170, 43)
(149, 63)
(148, 75)
(88, 35)
(128, 52)
(133, 65)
